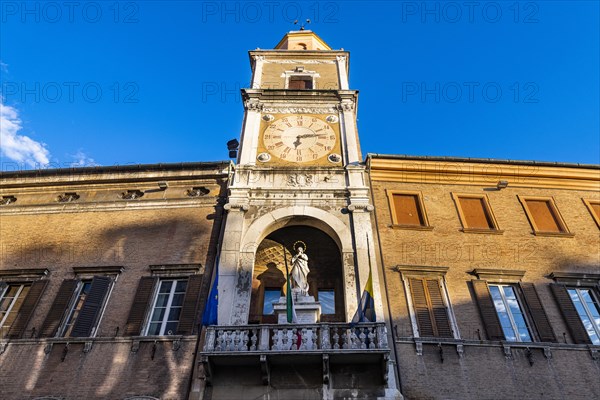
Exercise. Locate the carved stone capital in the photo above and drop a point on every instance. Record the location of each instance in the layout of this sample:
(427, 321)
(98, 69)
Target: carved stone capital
(236, 207)
(346, 106)
(257, 58)
(253, 105)
(360, 208)
(341, 58)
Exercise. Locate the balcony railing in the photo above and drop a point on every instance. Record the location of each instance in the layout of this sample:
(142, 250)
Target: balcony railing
(331, 337)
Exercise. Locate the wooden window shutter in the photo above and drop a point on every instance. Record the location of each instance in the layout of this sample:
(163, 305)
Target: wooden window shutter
(139, 308)
(570, 314)
(297, 84)
(475, 213)
(487, 310)
(407, 209)
(189, 311)
(537, 312)
(18, 327)
(440, 313)
(544, 217)
(430, 310)
(92, 307)
(59, 307)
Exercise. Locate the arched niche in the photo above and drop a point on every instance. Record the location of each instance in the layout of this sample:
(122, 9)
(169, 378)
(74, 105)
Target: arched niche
(269, 274)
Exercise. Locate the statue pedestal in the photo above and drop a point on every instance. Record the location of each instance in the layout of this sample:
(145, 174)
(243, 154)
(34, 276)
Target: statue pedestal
(308, 311)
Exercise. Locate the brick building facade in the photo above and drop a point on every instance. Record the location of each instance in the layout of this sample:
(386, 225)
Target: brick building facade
(481, 277)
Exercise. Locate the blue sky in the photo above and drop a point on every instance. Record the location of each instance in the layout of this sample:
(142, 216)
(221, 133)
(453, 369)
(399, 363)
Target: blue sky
(128, 82)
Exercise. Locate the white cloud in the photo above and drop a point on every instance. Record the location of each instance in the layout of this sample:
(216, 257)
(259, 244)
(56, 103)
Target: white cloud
(19, 148)
(82, 160)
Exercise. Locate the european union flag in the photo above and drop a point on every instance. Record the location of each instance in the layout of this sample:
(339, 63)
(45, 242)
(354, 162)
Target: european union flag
(211, 309)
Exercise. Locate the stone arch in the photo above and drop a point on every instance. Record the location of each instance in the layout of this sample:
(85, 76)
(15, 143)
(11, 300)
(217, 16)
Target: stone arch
(297, 215)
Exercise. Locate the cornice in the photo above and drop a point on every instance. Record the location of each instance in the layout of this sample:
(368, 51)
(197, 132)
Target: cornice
(483, 174)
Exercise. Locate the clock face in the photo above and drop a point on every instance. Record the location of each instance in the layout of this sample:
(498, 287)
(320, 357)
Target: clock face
(299, 138)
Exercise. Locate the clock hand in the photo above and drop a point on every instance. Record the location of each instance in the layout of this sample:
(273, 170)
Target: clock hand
(297, 142)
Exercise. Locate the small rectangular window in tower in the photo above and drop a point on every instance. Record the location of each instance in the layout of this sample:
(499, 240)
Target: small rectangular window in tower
(543, 215)
(272, 296)
(300, 82)
(407, 209)
(594, 209)
(475, 212)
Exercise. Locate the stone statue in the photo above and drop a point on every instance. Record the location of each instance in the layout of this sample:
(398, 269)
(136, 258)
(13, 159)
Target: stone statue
(300, 268)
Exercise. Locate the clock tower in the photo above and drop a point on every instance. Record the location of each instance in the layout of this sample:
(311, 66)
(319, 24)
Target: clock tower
(299, 207)
(299, 176)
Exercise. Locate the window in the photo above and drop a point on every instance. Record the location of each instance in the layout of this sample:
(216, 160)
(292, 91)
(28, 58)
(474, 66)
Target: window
(408, 210)
(577, 298)
(543, 216)
(10, 303)
(510, 313)
(271, 297)
(327, 299)
(78, 307)
(594, 209)
(81, 295)
(511, 310)
(167, 306)
(588, 310)
(18, 300)
(475, 213)
(168, 302)
(300, 82)
(428, 302)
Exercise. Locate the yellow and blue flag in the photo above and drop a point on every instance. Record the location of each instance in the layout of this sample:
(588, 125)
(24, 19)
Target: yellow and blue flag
(366, 307)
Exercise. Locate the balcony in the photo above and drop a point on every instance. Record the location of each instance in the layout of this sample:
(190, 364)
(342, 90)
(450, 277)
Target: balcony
(329, 348)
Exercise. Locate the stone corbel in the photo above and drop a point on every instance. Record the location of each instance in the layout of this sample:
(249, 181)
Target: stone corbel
(87, 347)
(385, 367)
(176, 344)
(341, 58)
(507, 351)
(419, 348)
(346, 106)
(460, 350)
(205, 372)
(3, 346)
(236, 207)
(265, 370)
(325, 369)
(48, 348)
(135, 346)
(547, 352)
(594, 354)
(360, 208)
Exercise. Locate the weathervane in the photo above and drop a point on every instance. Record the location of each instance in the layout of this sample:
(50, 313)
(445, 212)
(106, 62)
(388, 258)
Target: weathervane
(302, 26)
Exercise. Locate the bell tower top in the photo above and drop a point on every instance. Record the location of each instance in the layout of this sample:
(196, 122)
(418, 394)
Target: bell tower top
(302, 40)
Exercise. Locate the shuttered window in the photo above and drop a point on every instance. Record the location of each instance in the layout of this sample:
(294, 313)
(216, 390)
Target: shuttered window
(580, 309)
(408, 210)
(512, 312)
(173, 304)
(430, 311)
(17, 302)
(475, 213)
(594, 208)
(77, 308)
(543, 215)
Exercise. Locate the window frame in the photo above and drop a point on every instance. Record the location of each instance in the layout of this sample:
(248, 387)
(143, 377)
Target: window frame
(588, 203)
(313, 75)
(3, 292)
(522, 307)
(422, 272)
(264, 296)
(420, 209)
(64, 325)
(487, 209)
(332, 290)
(152, 305)
(565, 232)
(596, 299)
